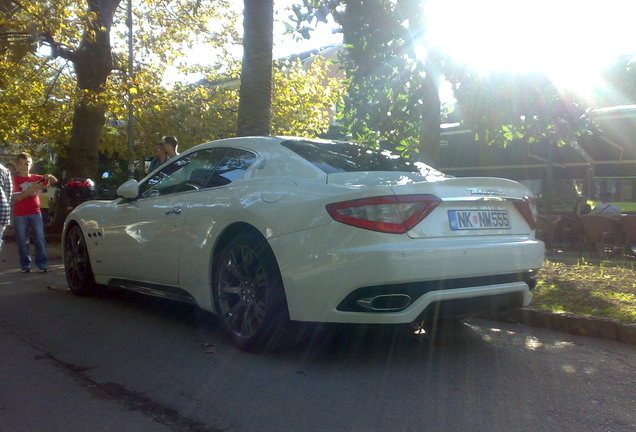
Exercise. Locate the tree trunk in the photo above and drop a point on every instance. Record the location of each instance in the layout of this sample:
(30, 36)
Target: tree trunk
(88, 121)
(431, 109)
(430, 132)
(93, 63)
(255, 105)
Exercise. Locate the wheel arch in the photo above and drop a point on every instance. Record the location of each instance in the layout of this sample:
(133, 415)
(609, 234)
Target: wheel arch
(79, 285)
(226, 235)
(67, 227)
(272, 322)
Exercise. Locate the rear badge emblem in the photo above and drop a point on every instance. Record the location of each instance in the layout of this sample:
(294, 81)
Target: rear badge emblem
(480, 191)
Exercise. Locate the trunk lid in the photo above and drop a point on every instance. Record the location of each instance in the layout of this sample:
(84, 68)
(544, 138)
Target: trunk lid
(470, 206)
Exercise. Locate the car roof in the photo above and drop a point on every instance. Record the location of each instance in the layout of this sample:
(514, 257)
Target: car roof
(256, 143)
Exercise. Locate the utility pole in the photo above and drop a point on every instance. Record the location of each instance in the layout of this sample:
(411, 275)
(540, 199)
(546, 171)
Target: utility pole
(131, 83)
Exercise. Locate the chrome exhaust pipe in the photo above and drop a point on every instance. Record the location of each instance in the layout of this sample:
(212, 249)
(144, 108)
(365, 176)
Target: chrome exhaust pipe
(385, 302)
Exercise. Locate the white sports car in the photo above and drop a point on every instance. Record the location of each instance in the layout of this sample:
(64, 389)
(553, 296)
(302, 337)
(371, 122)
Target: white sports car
(263, 230)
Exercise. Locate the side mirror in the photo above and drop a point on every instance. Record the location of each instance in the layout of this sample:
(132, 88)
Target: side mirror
(128, 190)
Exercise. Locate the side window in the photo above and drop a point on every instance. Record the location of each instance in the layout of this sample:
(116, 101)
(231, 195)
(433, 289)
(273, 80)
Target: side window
(233, 165)
(187, 173)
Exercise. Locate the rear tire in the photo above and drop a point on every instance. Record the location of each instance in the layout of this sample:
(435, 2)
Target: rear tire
(77, 264)
(249, 294)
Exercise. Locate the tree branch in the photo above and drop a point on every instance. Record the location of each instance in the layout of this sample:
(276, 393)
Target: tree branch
(51, 87)
(57, 50)
(10, 36)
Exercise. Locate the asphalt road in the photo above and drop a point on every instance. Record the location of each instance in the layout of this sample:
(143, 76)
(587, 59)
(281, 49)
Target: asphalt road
(125, 362)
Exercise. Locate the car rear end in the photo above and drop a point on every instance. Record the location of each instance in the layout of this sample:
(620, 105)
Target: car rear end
(406, 247)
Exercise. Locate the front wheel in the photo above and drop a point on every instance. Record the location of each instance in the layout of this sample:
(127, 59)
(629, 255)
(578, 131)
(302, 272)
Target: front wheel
(249, 294)
(77, 265)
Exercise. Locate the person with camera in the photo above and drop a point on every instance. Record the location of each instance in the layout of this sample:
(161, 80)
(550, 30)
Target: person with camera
(26, 212)
(170, 146)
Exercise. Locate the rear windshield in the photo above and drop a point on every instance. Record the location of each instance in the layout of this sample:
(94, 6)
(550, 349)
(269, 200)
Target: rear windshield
(338, 156)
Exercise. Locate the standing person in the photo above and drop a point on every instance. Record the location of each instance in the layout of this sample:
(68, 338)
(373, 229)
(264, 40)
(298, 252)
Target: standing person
(6, 190)
(581, 207)
(170, 145)
(158, 160)
(26, 211)
(45, 205)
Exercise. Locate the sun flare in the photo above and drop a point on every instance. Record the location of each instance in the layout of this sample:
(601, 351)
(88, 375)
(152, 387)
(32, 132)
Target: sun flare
(571, 41)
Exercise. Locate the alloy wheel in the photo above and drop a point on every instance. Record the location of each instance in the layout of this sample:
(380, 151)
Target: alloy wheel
(79, 275)
(243, 289)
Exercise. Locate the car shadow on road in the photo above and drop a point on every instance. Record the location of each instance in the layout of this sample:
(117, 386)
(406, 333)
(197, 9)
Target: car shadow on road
(180, 314)
(377, 342)
(309, 341)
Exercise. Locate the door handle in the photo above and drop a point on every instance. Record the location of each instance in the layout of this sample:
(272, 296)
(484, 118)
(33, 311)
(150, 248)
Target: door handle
(173, 211)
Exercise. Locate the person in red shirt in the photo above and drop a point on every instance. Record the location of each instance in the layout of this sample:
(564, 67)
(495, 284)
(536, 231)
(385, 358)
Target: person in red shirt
(26, 212)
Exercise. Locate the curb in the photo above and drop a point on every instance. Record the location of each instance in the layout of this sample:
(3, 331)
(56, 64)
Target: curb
(604, 328)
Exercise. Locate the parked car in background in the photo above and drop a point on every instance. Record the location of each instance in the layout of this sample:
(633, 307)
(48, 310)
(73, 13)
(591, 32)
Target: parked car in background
(264, 230)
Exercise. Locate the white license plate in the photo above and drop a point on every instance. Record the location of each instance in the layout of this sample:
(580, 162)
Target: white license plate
(478, 219)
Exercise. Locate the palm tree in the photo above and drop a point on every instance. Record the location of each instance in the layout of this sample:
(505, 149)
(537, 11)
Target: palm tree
(255, 106)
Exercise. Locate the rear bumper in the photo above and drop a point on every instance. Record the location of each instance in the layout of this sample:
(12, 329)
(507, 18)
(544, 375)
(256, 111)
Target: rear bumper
(396, 297)
(459, 307)
(483, 299)
(440, 304)
(337, 261)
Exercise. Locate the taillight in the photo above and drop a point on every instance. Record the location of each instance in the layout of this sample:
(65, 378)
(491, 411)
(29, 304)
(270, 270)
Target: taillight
(528, 209)
(389, 214)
